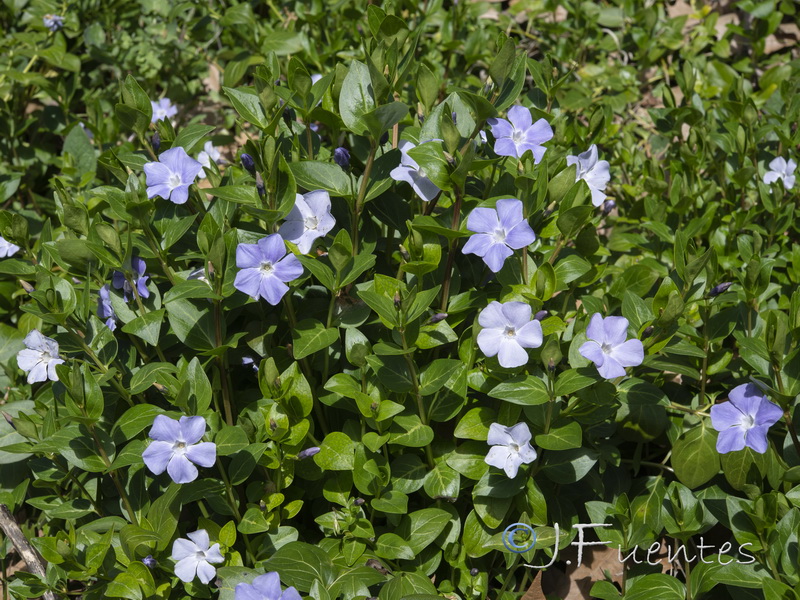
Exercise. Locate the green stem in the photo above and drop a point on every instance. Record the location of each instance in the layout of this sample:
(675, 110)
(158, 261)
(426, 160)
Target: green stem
(221, 366)
(362, 192)
(451, 251)
(116, 384)
(114, 477)
(417, 396)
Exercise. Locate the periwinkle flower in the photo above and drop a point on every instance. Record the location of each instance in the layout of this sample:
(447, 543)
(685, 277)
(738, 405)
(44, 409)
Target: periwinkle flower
(594, 172)
(608, 206)
(120, 282)
(265, 587)
(150, 562)
(40, 357)
(7, 248)
(608, 348)
(507, 331)
(309, 220)
(510, 447)
(744, 419)
(265, 269)
(720, 288)
(498, 232)
(194, 557)
(172, 175)
(249, 361)
(207, 155)
(155, 142)
(163, 109)
(519, 134)
(410, 172)
(780, 168)
(541, 315)
(104, 308)
(177, 448)
(341, 156)
(53, 22)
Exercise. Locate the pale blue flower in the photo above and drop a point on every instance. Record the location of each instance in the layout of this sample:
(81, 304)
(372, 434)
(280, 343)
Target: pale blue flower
(607, 347)
(104, 308)
(265, 269)
(7, 248)
(594, 172)
(410, 172)
(177, 448)
(511, 447)
(163, 109)
(780, 168)
(194, 557)
(208, 155)
(172, 175)
(265, 587)
(120, 282)
(309, 220)
(519, 134)
(507, 329)
(40, 357)
(744, 419)
(53, 22)
(498, 232)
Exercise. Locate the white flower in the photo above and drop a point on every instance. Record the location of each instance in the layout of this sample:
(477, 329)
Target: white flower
(40, 357)
(507, 331)
(194, 557)
(510, 447)
(206, 156)
(309, 220)
(410, 172)
(781, 169)
(594, 172)
(7, 248)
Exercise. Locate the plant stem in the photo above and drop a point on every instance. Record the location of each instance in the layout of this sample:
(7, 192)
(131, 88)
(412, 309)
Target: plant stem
(362, 192)
(221, 366)
(451, 251)
(412, 368)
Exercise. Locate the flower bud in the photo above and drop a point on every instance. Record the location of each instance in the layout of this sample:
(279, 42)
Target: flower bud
(9, 419)
(421, 118)
(359, 501)
(474, 571)
(374, 407)
(608, 206)
(437, 317)
(150, 562)
(307, 453)
(248, 163)
(454, 116)
(647, 332)
(342, 157)
(719, 289)
(27, 286)
(273, 425)
(260, 185)
(384, 138)
(541, 315)
(397, 300)
(155, 142)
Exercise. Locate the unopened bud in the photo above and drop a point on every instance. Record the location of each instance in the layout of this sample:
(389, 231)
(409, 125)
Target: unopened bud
(454, 117)
(273, 425)
(384, 138)
(150, 562)
(647, 332)
(359, 501)
(374, 407)
(260, 185)
(421, 118)
(541, 315)
(474, 571)
(155, 142)
(342, 157)
(438, 317)
(248, 163)
(9, 419)
(27, 286)
(307, 453)
(397, 300)
(719, 289)
(551, 365)
(608, 206)
(404, 253)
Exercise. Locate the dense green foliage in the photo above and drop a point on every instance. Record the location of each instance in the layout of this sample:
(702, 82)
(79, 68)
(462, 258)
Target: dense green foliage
(358, 358)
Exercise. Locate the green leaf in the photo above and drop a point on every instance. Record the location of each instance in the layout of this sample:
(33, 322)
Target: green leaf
(191, 135)
(410, 431)
(564, 437)
(356, 99)
(337, 452)
(247, 104)
(317, 175)
(694, 456)
(300, 564)
(147, 327)
(436, 374)
(392, 547)
(310, 336)
(526, 390)
(230, 439)
(656, 586)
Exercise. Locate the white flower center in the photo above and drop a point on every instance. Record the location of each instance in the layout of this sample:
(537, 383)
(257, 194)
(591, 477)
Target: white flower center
(514, 447)
(201, 555)
(510, 332)
(606, 348)
(266, 267)
(518, 136)
(748, 422)
(174, 180)
(311, 222)
(499, 236)
(46, 357)
(179, 448)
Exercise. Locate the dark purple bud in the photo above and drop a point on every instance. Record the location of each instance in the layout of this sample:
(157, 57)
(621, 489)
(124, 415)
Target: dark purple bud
(474, 571)
(454, 116)
(421, 118)
(437, 317)
(150, 562)
(307, 453)
(397, 300)
(9, 419)
(541, 315)
(260, 185)
(359, 501)
(342, 157)
(608, 206)
(384, 138)
(551, 365)
(155, 142)
(289, 116)
(248, 163)
(647, 332)
(719, 289)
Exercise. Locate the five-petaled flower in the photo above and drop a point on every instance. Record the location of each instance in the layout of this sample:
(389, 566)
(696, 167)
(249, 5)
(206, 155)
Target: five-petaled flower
(309, 220)
(594, 172)
(120, 282)
(163, 109)
(172, 175)
(195, 557)
(265, 587)
(744, 419)
(207, 155)
(507, 331)
(780, 168)
(510, 447)
(498, 232)
(265, 269)
(7, 248)
(607, 347)
(519, 134)
(40, 357)
(410, 172)
(177, 445)
(104, 308)
(53, 22)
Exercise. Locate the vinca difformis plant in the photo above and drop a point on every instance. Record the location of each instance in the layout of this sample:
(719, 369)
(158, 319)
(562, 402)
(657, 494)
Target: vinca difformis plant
(395, 277)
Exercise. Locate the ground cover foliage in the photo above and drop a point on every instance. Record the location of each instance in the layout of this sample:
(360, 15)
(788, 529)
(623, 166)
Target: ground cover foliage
(336, 292)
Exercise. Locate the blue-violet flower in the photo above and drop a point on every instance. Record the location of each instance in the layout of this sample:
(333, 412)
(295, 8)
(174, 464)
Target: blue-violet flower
(744, 419)
(177, 448)
(172, 175)
(498, 232)
(265, 269)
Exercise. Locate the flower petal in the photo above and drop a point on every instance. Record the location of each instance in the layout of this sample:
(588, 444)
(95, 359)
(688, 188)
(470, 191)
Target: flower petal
(38, 373)
(511, 354)
(530, 335)
(272, 289)
(592, 351)
(595, 330)
(509, 213)
(497, 456)
(156, 456)
(200, 537)
(520, 117)
(513, 462)
(27, 359)
(181, 548)
(483, 220)
(478, 244)
(629, 354)
(489, 341)
(425, 188)
(165, 429)
(520, 236)
(288, 268)
(539, 133)
(615, 330)
(186, 569)
(492, 316)
(248, 281)
(725, 415)
(268, 584)
(611, 368)
(272, 248)
(496, 256)
(520, 433)
(505, 146)
(730, 440)
(192, 429)
(179, 194)
(501, 128)
(181, 470)
(203, 454)
(205, 572)
(768, 414)
(518, 314)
